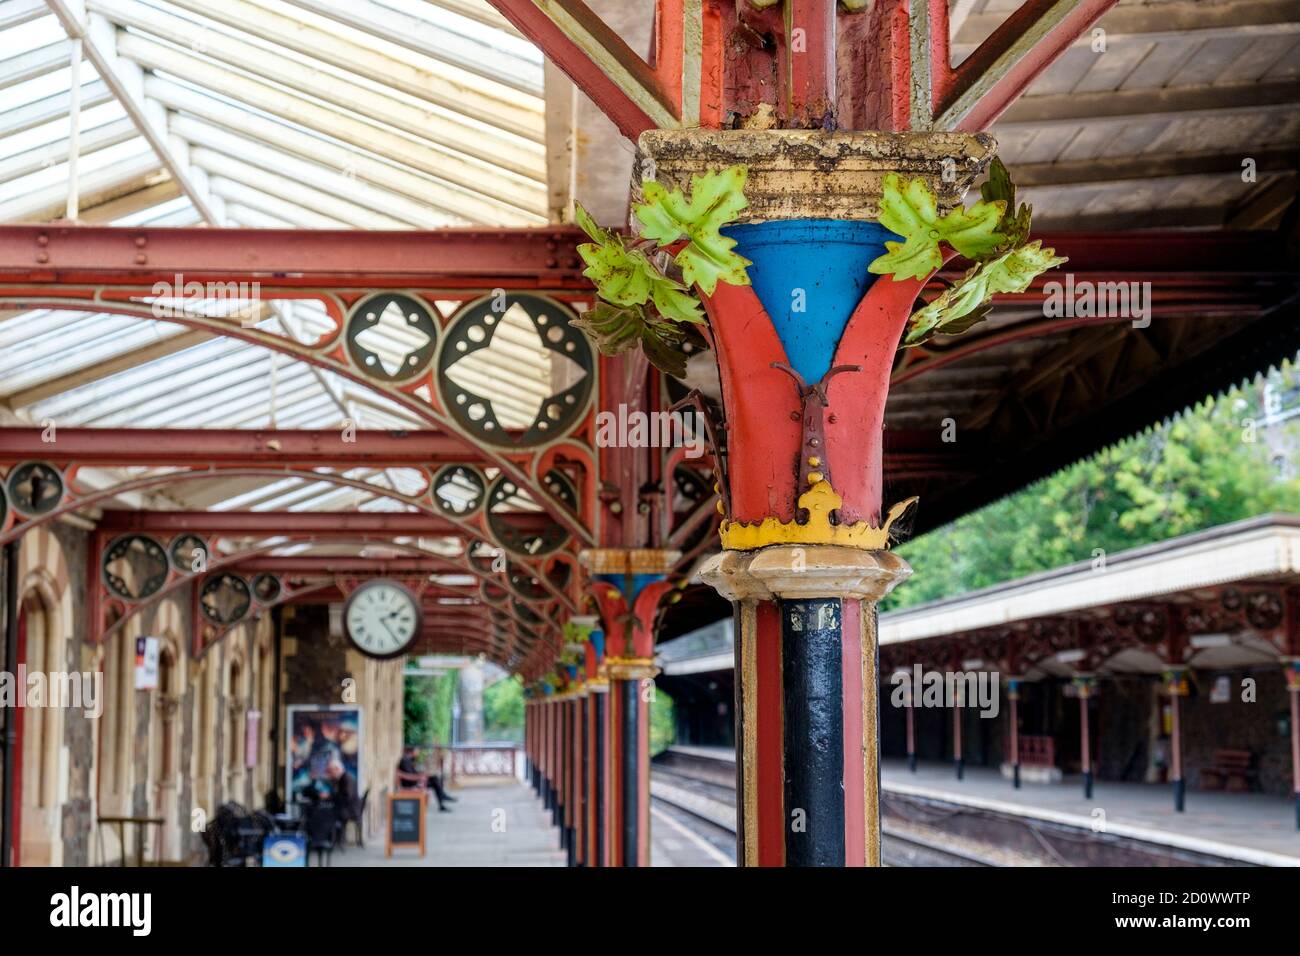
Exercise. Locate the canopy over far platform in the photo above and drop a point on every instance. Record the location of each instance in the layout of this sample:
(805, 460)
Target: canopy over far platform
(1236, 585)
(1205, 578)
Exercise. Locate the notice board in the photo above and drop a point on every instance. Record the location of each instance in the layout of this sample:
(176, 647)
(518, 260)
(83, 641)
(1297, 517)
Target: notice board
(406, 819)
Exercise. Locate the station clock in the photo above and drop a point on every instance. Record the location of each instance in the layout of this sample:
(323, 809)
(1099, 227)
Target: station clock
(382, 619)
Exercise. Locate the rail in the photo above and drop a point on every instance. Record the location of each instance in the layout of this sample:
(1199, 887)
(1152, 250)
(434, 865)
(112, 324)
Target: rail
(479, 760)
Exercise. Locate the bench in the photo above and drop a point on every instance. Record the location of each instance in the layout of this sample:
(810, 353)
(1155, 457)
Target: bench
(1229, 770)
(1037, 751)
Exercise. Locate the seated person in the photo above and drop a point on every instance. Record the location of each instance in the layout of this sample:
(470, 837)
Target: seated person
(346, 800)
(409, 775)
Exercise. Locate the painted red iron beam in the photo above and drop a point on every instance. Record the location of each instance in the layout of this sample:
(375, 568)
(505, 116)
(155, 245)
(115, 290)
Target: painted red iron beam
(1018, 39)
(105, 255)
(296, 522)
(1189, 254)
(335, 595)
(476, 258)
(232, 446)
(631, 117)
(321, 564)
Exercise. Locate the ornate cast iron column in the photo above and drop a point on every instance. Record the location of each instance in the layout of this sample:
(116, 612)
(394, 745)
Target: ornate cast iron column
(1175, 681)
(804, 356)
(594, 777)
(1013, 698)
(909, 711)
(1291, 668)
(627, 585)
(1086, 686)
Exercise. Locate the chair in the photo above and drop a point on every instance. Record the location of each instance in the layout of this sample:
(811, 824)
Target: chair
(358, 821)
(222, 835)
(321, 828)
(1229, 770)
(410, 781)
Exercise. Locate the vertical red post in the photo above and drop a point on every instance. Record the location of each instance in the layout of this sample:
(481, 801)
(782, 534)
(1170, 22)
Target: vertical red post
(911, 736)
(1085, 684)
(1176, 681)
(1013, 697)
(957, 762)
(1293, 691)
(627, 585)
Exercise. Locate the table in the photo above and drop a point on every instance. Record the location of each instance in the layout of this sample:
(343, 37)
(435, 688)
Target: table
(141, 822)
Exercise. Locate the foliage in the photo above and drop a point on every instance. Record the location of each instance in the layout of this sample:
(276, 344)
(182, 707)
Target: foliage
(617, 329)
(1012, 271)
(993, 233)
(1193, 472)
(503, 709)
(575, 633)
(716, 199)
(626, 277)
(427, 708)
(645, 304)
(911, 210)
(663, 725)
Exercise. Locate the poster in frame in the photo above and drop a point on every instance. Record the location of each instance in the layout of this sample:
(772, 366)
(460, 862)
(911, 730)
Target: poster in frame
(323, 740)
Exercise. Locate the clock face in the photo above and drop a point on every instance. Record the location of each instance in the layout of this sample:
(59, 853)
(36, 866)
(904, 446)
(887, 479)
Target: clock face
(382, 619)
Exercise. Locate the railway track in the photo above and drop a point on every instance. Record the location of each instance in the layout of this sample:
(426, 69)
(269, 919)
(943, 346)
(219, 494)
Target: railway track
(898, 849)
(699, 800)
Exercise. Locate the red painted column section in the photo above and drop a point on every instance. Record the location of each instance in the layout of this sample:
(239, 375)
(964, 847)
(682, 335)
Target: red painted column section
(1176, 739)
(771, 822)
(550, 751)
(956, 736)
(1084, 743)
(610, 785)
(576, 790)
(566, 766)
(16, 715)
(643, 761)
(855, 762)
(1015, 738)
(590, 847)
(613, 779)
(1294, 694)
(911, 729)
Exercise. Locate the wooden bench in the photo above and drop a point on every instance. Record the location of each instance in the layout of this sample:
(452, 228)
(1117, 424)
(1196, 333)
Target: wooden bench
(1229, 770)
(1037, 751)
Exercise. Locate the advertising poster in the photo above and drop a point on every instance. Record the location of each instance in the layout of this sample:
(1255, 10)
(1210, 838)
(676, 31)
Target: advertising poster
(146, 663)
(252, 738)
(324, 743)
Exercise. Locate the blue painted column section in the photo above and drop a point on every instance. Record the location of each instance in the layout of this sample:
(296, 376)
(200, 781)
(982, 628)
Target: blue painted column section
(810, 274)
(812, 680)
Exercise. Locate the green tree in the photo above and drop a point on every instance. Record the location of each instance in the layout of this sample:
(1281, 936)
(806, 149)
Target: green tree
(1208, 466)
(503, 709)
(663, 727)
(426, 707)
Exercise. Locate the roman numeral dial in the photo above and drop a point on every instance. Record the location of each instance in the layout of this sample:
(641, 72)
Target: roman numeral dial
(382, 619)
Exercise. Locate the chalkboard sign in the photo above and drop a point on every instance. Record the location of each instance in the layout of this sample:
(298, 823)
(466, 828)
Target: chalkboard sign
(406, 816)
